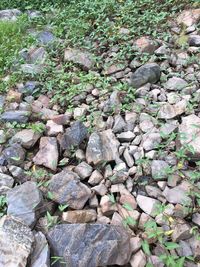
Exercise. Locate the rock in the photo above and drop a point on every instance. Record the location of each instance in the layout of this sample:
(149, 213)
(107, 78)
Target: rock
(168, 111)
(53, 129)
(177, 195)
(29, 88)
(181, 231)
(114, 68)
(18, 173)
(66, 188)
(100, 189)
(95, 244)
(82, 58)
(148, 73)
(126, 136)
(10, 14)
(151, 141)
(156, 261)
(128, 158)
(48, 153)
(136, 243)
(102, 147)
(175, 84)
(107, 206)
(83, 170)
(24, 202)
(6, 183)
(112, 105)
(27, 137)
(95, 178)
(14, 96)
(40, 256)
(3, 137)
(159, 169)
(61, 119)
(189, 135)
(14, 154)
(194, 40)
(79, 216)
(16, 241)
(79, 112)
(195, 245)
(184, 250)
(32, 69)
(74, 135)
(138, 259)
(145, 45)
(15, 116)
(45, 37)
(196, 218)
(128, 198)
(154, 192)
(189, 17)
(147, 204)
(119, 124)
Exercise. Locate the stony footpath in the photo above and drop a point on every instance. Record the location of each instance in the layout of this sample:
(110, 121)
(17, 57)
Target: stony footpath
(115, 181)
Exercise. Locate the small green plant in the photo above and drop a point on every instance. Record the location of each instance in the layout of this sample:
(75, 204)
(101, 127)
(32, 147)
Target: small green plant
(129, 221)
(3, 205)
(51, 220)
(112, 198)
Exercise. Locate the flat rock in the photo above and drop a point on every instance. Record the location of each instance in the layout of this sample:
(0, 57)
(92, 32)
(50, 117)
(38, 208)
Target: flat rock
(159, 169)
(16, 241)
(53, 129)
(147, 204)
(48, 153)
(45, 37)
(66, 188)
(6, 183)
(102, 146)
(90, 245)
(145, 45)
(79, 216)
(24, 202)
(26, 137)
(73, 136)
(189, 131)
(189, 17)
(40, 257)
(10, 14)
(181, 231)
(148, 73)
(82, 58)
(15, 115)
(175, 84)
(83, 170)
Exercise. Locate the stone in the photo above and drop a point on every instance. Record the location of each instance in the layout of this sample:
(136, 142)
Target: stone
(79, 112)
(6, 183)
(159, 169)
(30, 88)
(20, 116)
(24, 202)
(48, 153)
(16, 240)
(10, 14)
(79, 216)
(148, 73)
(168, 111)
(95, 244)
(114, 68)
(156, 261)
(14, 154)
(83, 170)
(82, 58)
(184, 250)
(119, 124)
(196, 218)
(32, 69)
(112, 105)
(95, 178)
(147, 204)
(74, 135)
(189, 17)
(136, 243)
(107, 206)
(126, 136)
(189, 131)
(66, 188)
(127, 213)
(45, 37)
(102, 147)
(128, 158)
(53, 129)
(151, 141)
(153, 191)
(62, 119)
(40, 257)
(195, 245)
(145, 45)
(18, 173)
(181, 231)
(128, 198)
(100, 189)
(36, 55)
(194, 40)
(175, 84)
(177, 195)
(27, 138)
(138, 259)
(3, 137)
(14, 96)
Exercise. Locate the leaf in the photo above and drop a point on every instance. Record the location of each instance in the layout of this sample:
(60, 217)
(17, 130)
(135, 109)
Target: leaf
(145, 247)
(170, 232)
(63, 207)
(112, 198)
(171, 245)
(180, 262)
(50, 195)
(128, 207)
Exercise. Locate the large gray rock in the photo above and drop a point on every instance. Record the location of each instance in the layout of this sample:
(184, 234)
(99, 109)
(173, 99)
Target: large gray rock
(102, 147)
(189, 134)
(48, 153)
(6, 183)
(74, 135)
(168, 111)
(27, 137)
(14, 154)
(21, 116)
(148, 73)
(24, 202)
(16, 240)
(40, 256)
(82, 58)
(10, 14)
(89, 245)
(66, 188)
(177, 195)
(175, 84)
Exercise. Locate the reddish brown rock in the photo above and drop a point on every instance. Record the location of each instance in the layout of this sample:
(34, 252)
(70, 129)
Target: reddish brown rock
(79, 216)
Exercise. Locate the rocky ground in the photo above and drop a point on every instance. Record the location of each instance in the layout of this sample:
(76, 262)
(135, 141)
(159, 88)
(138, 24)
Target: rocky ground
(115, 180)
